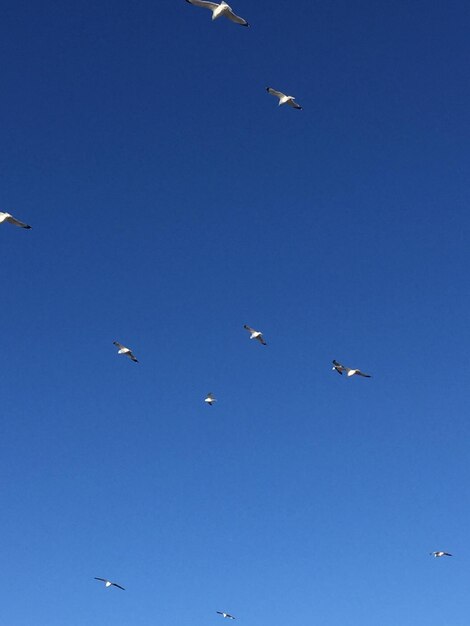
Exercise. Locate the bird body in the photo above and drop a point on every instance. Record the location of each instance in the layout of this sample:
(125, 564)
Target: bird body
(283, 98)
(7, 217)
(126, 351)
(108, 583)
(255, 334)
(349, 372)
(440, 554)
(219, 10)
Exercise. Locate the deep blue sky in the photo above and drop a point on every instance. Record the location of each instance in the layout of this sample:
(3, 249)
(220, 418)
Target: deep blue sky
(172, 202)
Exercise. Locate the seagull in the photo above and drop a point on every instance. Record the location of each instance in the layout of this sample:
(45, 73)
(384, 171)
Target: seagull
(341, 368)
(210, 399)
(255, 334)
(226, 615)
(218, 10)
(6, 217)
(125, 351)
(439, 554)
(283, 99)
(108, 583)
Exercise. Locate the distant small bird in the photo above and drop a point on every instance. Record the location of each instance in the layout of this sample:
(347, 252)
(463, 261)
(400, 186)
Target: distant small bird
(283, 99)
(6, 217)
(125, 351)
(439, 554)
(226, 615)
(341, 368)
(219, 10)
(210, 399)
(255, 334)
(108, 583)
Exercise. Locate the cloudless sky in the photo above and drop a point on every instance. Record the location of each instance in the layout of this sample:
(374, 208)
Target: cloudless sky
(173, 201)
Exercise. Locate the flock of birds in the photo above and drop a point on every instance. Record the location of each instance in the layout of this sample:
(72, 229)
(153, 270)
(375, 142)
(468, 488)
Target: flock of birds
(221, 10)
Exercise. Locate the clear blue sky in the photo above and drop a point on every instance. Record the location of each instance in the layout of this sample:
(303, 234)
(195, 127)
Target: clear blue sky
(172, 202)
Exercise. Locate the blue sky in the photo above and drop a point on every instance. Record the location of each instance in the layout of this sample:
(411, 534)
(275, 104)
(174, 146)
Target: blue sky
(172, 202)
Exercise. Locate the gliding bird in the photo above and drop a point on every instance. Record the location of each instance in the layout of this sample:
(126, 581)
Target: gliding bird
(255, 334)
(283, 99)
(125, 351)
(439, 554)
(219, 10)
(349, 372)
(108, 583)
(226, 615)
(210, 399)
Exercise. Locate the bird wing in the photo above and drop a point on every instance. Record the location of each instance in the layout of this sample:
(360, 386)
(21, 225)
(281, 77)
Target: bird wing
(359, 373)
(132, 356)
(118, 586)
(249, 329)
(262, 340)
(236, 18)
(16, 222)
(119, 345)
(273, 92)
(205, 5)
(338, 367)
(103, 580)
(294, 104)
(447, 554)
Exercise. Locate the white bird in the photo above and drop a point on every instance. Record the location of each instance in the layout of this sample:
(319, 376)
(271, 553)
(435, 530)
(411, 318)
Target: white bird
(108, 583)
(283, 99)
(255, 334)
(226, 615)
(6, 217)
(219, 10)
(125, 351)
(439, 554)
(350, 372)
(210, 399)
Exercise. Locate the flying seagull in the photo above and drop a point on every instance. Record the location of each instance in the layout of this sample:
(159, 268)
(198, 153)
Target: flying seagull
(341, 368)
(108, 583)
(255, 334)
(210, 399)
(218, 10)
(125, 351)
(283, 99)
(6, 217)
(439, 554)
(226, 615)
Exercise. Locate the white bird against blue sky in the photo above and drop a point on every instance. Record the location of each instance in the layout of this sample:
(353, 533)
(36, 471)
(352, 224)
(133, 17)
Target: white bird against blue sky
(226, 615)
(210, 399)
(219, 10)
(255, 334)
(439, 554)
(349, 372)
(108, 583)
(125, 351)
(283, 98)
(7, 217)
